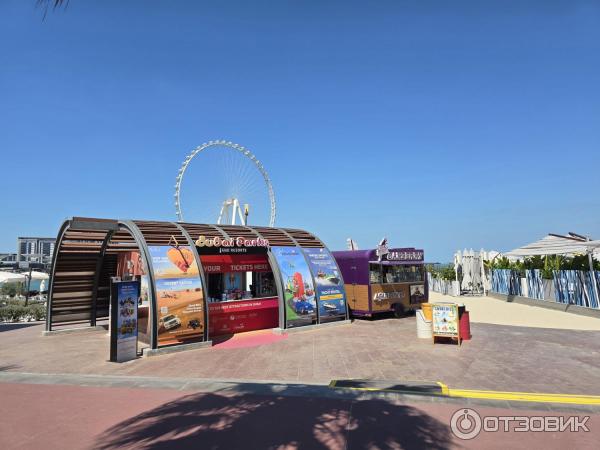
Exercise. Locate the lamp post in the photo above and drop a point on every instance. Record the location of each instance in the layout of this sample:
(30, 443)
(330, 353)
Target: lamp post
(246, 212)
(593, 273)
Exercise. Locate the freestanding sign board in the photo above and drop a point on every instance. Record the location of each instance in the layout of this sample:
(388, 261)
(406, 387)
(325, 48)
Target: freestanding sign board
(446, 321)
(124, 296)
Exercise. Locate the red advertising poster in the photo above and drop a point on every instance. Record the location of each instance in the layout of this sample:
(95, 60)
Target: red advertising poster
(238, 316)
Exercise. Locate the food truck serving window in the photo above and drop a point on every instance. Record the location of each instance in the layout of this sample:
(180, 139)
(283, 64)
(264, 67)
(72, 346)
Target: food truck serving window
(395, 273)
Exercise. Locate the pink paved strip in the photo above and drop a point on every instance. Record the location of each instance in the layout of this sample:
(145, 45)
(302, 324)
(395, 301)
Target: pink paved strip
(249, 339)
(77, 417)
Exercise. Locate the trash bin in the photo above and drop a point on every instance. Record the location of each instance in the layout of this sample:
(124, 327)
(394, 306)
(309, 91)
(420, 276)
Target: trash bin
(465, 326)
(427, 310)
(424, 327)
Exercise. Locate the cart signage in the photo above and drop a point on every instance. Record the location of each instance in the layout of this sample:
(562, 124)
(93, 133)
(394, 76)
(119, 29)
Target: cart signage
(404, 255)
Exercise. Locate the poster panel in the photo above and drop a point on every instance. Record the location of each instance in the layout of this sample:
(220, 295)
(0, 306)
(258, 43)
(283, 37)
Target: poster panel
(180, 299)
(417, 294)
(298, 288)
(445, 319)
(124, 329)
(331, 296)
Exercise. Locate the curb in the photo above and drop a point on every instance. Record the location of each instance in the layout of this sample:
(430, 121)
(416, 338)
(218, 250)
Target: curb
(439, 389)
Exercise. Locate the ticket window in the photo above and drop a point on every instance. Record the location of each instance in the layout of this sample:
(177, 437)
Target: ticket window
(230, 286)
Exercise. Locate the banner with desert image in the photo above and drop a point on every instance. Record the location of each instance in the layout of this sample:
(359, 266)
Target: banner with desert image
(180, 299)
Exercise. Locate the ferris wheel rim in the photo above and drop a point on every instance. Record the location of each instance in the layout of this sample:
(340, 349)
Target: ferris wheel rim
(242, 150)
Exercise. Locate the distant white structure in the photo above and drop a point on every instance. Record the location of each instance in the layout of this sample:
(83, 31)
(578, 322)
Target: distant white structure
(470, 265)
(351, 244)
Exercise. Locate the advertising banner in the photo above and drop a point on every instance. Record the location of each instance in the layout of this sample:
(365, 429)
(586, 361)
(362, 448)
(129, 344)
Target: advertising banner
(331, 296)
(445, 319)
(124, 326)
(238, 316)
(298, 288)
(180, 299)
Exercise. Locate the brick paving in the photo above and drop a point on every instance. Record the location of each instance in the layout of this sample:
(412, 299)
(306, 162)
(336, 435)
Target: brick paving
(77, 417)
(497, 358)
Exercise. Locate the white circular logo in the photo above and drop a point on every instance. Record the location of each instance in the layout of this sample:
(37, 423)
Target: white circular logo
(465, 424)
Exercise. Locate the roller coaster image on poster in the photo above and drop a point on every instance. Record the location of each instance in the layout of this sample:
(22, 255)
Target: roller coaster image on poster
(298, 287)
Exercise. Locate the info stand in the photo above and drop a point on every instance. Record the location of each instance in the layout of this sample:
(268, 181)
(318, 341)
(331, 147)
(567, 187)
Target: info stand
(445, 322)
(124, 297)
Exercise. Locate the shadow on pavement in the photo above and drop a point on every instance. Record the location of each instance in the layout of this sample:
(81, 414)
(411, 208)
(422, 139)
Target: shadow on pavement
(17, 326)
(249, 421)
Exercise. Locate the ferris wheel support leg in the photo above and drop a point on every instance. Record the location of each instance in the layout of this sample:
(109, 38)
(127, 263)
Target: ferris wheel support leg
(223, 206)
(238, 209)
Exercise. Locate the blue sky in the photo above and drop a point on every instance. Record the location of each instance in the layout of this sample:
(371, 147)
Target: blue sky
(440, 125)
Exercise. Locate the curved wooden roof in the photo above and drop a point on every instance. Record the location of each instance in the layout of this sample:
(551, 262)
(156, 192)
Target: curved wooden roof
(86, 252)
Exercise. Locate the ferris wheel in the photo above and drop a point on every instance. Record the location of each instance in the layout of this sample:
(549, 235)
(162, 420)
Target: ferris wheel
(228, 183)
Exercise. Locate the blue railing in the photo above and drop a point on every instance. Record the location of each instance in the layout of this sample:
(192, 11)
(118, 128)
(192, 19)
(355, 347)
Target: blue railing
(574, 287)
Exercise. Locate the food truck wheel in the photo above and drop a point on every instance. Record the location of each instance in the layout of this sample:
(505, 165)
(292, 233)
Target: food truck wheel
(399, 310)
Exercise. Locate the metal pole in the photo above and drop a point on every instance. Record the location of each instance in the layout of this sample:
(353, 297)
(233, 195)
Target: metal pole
(28, 287)
(593, 275)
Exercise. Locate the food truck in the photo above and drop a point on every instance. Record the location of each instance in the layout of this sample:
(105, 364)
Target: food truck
(382, 280)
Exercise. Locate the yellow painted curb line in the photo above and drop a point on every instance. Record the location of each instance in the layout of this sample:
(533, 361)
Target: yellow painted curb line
(525, 396)
(443, 387)
(533, 397)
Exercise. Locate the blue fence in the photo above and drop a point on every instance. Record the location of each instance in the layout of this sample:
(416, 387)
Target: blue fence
(574, 287)
(506, 281)
(535, 284)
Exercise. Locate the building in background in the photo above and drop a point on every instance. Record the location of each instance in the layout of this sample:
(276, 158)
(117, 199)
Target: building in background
(8, 260)
(36, 250)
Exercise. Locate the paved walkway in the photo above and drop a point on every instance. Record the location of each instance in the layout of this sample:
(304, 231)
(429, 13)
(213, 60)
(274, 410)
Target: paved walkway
(505, 358)
(92, 417)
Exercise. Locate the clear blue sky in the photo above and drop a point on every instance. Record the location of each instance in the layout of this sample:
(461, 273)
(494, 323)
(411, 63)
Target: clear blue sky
(441, 125)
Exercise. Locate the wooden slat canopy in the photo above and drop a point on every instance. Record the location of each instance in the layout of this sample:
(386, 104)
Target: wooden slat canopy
(86, 254)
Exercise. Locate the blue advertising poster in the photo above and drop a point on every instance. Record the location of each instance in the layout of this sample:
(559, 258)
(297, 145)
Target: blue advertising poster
(331, 296)
(127, 329)
(299, 291)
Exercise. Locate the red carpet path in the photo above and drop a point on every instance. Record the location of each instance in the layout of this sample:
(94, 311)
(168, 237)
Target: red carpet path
(248, 339)
(79, 417)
